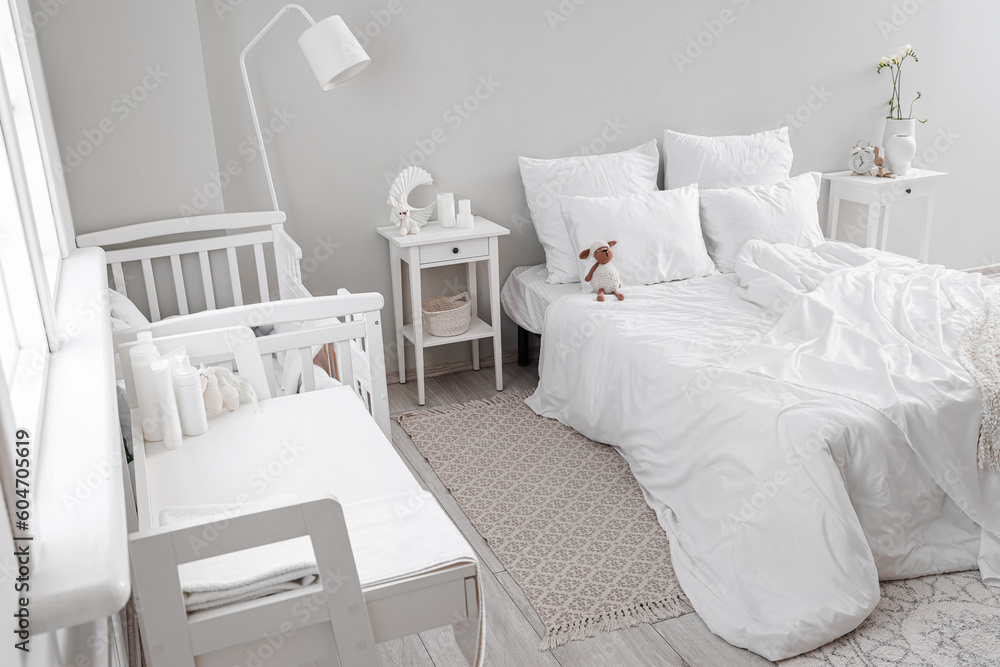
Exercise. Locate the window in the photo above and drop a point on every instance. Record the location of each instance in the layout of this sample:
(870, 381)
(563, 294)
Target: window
(14, 60)
(30, 247)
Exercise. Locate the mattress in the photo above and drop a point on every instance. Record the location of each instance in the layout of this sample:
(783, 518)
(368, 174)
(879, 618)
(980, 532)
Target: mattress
(527, 295)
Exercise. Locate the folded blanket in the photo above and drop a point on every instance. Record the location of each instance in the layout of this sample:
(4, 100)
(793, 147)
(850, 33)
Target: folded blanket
(979, 353)
(392, 537)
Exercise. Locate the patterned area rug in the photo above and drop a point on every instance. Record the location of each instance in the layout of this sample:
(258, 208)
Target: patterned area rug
(563, 514)
(952, 620)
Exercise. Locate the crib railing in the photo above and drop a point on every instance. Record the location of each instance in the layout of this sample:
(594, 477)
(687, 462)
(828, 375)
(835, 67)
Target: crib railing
(353, 328)
(135, 268)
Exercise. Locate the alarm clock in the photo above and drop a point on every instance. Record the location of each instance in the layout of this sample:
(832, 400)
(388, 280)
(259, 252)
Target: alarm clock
(863, 159)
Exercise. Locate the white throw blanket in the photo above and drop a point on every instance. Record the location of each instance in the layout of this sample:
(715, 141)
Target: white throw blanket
(391, 537)
(802, 429)
(979, 352)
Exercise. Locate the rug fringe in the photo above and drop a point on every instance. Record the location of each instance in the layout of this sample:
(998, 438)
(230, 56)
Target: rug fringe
(500, 399)
(626, 617)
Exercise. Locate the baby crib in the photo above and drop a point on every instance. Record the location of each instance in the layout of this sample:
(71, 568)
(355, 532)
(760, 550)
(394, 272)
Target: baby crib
(190, 275)
(191, 268)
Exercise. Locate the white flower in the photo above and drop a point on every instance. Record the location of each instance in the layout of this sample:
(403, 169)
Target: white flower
(909, 47)
(884, 60)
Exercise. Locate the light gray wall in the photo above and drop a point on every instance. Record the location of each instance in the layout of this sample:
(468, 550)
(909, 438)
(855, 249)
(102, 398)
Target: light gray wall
(570, 72)
(127, 89)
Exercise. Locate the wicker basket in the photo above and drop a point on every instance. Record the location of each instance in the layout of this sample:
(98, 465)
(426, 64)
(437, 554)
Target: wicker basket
(448, 315)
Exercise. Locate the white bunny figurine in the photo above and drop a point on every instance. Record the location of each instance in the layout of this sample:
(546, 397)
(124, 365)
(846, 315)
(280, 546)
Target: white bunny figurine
(403, 221)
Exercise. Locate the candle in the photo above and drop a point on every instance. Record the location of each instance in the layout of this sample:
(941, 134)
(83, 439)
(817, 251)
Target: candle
(465, 220)
(446, 209)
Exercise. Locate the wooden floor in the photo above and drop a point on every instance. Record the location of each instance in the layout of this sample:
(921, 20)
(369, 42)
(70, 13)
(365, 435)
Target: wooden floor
(513, 629)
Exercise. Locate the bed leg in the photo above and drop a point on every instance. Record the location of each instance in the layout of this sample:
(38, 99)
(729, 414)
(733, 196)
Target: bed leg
(468, 631)
(523, 347)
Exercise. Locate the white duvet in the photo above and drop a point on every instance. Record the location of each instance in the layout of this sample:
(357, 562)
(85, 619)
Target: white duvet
(801, 428)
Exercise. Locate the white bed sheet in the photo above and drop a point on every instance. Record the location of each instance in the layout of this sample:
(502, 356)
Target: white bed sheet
(784, 499)
(527, 294)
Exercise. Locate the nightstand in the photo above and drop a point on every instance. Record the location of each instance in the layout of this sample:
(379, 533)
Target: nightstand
(437, 246)
(879, 195)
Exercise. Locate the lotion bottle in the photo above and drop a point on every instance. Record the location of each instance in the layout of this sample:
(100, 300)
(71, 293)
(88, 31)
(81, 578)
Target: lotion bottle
(190, 402)
(143, 355)
(166, 404)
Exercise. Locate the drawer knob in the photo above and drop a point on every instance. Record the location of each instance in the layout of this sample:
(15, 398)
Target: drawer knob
(908, 190)
(455, 250)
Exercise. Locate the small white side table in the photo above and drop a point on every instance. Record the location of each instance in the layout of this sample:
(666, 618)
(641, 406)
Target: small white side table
(437, 246)
(879, 194)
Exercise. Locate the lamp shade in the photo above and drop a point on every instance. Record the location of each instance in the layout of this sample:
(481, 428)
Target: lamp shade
(332, 51)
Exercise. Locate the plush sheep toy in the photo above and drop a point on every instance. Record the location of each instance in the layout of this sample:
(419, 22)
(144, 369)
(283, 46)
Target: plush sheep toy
(603, 277)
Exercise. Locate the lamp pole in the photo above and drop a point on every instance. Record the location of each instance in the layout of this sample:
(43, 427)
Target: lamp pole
(253, 108)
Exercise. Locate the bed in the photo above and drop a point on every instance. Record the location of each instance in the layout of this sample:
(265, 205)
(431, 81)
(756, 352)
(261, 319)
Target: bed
(801, 427)
(525, 297)
(802, 415)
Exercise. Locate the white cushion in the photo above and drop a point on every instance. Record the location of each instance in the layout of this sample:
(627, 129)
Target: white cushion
(588, 176)
(658, 233)
(782, 213)
(764, 158)
(125, 311)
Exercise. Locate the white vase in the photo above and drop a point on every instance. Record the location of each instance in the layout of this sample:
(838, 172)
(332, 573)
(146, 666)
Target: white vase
(900, 143)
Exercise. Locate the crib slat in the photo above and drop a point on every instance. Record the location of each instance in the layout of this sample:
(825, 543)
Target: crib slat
(267, 360)
(182, 300)
(206, 280)
(344, 363)
(308, 375)
(234, 275)
(147, 275)
(119, 278)
(258, 251)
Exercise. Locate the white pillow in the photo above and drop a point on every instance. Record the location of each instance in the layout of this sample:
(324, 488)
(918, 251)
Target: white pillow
(125, 311)
(782, 213)
(658, 234)
(588, 176)
(764, 158)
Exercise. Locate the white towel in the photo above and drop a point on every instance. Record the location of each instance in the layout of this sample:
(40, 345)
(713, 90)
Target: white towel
(392, 537)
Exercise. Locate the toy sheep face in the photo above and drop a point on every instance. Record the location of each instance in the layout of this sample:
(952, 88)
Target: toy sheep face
(602, 255)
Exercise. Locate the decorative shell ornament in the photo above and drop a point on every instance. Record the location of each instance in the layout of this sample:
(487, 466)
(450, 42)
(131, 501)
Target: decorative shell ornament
(405, 182)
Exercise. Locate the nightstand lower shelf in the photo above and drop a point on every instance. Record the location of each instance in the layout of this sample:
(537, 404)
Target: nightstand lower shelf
(477, 329)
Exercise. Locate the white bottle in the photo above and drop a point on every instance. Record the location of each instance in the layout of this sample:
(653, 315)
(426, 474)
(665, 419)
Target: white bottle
(166, 404)
(142, 356)
(190, 402)
(465, 220)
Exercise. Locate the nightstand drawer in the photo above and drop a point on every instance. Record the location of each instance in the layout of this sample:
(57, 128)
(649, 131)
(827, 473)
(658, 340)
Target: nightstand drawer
(902, 190)
(454, 250)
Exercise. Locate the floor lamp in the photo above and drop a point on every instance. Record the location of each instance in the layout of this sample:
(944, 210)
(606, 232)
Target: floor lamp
(333, 53)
